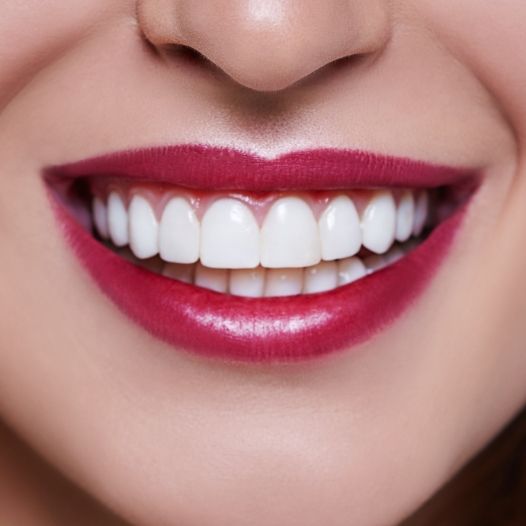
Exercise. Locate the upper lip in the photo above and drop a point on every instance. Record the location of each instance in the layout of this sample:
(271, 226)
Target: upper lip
(223, 169)
(268, 328)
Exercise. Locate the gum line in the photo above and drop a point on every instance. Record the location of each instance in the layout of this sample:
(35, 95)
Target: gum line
(227, 235)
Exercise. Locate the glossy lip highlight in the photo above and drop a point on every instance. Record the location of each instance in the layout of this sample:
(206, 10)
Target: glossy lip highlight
(264, 329)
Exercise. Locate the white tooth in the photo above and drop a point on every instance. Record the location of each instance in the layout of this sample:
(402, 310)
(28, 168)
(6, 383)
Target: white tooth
(405, 217)
(284, 282)
(117, 220)
(229, 236)
(349, 270)
(249, 283)
(144, 228)
(421, 211)
(321, 277)
(290, 236)
(184, 273)
(374, 263)
(100, 217)
(379, 222)
(340, 231)
(211, 278)
(179, 232)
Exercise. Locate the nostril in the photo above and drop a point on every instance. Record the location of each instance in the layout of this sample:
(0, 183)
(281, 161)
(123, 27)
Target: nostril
(347, 61)
(163, 40)
(271, 45)
(180, 53)
(186, 53)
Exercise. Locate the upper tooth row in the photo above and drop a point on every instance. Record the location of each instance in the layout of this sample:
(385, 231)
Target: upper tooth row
(228, 236)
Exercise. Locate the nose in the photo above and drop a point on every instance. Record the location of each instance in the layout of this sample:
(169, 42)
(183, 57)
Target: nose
(267, 45)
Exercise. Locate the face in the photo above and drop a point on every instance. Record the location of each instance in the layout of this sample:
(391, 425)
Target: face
(96, 372)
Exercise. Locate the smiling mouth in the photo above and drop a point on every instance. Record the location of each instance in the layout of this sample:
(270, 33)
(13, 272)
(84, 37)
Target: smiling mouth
(234, 256)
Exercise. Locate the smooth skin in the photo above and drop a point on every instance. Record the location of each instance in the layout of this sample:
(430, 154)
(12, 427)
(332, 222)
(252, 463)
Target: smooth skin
(161, 437)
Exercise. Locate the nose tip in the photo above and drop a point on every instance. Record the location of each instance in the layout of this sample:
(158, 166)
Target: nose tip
(267, 45)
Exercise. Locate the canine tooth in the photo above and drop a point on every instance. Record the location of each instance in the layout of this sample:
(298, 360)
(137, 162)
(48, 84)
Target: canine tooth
(289, 236)
(421, 211)
(321, 277)
(340, 231)
(249, 283)
(405, 217)
(350, 269)
(144, 228)
(180, 272)
(179, 232)
(211, 278)
(284, 282)
(117, 220)
(100, 217)
(379, 222)
(229, 236)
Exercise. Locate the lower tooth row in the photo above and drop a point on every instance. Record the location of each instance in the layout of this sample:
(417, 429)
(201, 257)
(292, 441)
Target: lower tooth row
(229, 237)
(261, 282)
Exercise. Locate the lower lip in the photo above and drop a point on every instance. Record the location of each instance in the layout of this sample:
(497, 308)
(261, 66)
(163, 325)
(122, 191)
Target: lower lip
(267, 329)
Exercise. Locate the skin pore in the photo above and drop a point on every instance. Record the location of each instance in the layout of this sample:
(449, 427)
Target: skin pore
(160, 436)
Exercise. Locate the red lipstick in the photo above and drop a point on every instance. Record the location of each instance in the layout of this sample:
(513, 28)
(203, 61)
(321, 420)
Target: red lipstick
(213, 169)
(265, 329)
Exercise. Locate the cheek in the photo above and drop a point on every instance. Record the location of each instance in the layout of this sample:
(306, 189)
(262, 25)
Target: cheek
(36, 32)
(486, 36)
